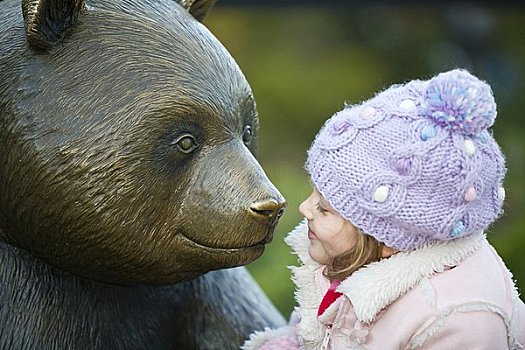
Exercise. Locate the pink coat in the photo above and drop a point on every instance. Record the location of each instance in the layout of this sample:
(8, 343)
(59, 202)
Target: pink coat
(447, 295)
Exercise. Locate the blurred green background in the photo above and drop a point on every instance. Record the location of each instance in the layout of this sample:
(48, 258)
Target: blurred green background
(304, 62)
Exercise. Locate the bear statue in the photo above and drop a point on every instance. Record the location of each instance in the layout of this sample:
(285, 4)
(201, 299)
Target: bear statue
(130, 194)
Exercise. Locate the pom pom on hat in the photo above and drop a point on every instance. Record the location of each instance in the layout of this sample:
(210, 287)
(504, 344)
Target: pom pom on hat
(459, 101)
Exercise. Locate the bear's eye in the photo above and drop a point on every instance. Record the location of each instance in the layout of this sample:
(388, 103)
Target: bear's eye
(247, 135)
(186, 143)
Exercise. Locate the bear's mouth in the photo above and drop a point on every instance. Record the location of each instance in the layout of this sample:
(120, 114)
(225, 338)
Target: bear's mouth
(225, 249)
(231, 242)
(268, 237)
(224, 257)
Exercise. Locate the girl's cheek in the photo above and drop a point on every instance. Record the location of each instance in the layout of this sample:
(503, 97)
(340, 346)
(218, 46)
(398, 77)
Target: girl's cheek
(337, 225)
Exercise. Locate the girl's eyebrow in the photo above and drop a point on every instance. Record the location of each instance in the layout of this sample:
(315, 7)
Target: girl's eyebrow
(322, 202)
(326, 205)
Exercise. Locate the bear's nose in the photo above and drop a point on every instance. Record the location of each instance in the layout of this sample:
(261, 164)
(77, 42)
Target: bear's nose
(269, 211)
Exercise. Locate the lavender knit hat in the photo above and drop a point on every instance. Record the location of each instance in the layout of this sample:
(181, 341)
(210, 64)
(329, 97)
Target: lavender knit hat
(415, 163)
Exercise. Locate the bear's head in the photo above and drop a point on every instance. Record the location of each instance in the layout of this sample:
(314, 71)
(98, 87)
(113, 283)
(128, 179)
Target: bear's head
(128, 139)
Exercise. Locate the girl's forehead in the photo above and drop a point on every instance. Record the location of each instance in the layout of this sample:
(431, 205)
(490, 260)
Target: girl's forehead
(322, 200)
(318, 194)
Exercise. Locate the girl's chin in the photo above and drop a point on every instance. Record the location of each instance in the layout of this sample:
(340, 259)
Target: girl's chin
(317, 256)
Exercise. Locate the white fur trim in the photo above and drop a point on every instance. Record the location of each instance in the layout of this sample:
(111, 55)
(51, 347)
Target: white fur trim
(307, 294)
(429, 293)
(298, 240)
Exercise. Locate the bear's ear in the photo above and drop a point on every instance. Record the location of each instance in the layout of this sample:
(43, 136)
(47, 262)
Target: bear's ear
(198, 8)
(46, 21)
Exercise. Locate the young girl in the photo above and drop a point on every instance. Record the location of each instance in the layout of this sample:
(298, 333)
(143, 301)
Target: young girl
(392, 247)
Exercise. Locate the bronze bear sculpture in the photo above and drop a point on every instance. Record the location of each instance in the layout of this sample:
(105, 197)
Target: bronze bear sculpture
(127, 174)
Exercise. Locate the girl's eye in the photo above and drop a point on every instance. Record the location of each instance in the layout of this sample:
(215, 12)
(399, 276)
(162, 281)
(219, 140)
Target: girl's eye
(186, 143)
(321, 209)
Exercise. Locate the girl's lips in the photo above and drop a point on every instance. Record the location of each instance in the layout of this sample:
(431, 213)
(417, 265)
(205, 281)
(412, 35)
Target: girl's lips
(311, 234)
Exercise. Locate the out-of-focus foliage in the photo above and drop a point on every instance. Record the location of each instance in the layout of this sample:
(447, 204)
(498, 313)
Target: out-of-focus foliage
(304, 63)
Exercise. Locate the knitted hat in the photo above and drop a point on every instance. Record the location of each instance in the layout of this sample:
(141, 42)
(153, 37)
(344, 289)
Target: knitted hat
(415, 163)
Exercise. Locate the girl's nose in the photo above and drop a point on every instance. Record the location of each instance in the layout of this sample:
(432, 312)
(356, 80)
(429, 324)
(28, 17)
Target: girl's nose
(303, 209)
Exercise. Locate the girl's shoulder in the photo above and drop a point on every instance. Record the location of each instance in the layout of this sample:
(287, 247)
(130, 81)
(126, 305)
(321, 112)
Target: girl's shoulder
(481, 278)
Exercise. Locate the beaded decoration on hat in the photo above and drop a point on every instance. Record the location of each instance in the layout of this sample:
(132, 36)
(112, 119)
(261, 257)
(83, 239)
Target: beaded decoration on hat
(415, 163)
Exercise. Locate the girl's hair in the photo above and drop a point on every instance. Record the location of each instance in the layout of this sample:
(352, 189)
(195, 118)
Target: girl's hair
(366, 251)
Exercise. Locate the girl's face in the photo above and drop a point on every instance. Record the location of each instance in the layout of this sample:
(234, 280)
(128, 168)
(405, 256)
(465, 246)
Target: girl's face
(329, 234)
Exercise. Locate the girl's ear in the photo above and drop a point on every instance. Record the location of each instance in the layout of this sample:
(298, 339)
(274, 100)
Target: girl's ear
(387, 252)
